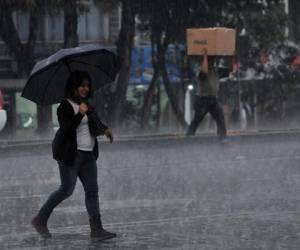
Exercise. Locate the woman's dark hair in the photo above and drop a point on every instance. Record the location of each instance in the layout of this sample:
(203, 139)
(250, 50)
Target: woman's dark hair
(74, 81)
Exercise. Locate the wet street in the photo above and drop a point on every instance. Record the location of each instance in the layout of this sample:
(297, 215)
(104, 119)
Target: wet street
(176, 193)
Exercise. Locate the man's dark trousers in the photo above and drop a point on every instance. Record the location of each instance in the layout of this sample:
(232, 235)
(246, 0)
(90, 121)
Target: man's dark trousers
(203, 105)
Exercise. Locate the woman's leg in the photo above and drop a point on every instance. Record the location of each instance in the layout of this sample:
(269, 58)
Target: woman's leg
(68, 177)
(88, 177)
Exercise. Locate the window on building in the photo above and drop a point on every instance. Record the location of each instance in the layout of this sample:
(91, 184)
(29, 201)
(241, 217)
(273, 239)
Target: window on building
(22, 20)
(22, 24)
(55, 27)
(90, 24)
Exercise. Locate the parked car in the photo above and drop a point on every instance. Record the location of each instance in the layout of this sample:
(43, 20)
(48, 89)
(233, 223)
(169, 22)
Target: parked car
(3, 115)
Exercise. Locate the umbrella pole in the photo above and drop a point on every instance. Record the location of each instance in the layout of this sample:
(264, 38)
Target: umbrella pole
(68, 66)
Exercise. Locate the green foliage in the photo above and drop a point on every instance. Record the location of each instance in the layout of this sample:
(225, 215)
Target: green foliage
(264, 22)
(265, 25)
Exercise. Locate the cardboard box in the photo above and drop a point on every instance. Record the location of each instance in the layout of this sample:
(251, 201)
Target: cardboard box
(217, 41)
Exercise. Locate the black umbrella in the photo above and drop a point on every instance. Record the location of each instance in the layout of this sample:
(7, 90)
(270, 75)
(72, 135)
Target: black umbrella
(47, 80)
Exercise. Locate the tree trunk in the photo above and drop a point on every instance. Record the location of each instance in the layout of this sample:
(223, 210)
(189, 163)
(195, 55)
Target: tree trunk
(23, 53)
(166, 81)
(294, 27)
(148, 99)
(151, 89)
(158, 110)
(124, 48)
(70, 24)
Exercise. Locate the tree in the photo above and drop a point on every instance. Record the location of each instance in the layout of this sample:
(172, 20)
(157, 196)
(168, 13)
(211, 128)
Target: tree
(70, 23)
(164, 21)
(124, 44)
(294, 20)
(22, 52)
(169, 20)
(149, 95)
(262, 47)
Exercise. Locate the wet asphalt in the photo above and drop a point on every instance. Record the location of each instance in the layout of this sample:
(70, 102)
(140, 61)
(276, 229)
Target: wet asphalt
(170, 193)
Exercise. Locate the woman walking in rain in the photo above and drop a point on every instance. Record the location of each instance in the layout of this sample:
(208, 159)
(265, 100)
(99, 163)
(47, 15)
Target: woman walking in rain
(75, 148)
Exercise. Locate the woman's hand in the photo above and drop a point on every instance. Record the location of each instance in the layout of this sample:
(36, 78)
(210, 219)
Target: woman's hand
(109, 135)
(83, 108)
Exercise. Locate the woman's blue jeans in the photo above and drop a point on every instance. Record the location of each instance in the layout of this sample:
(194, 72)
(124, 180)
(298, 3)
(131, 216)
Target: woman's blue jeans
(85, 168)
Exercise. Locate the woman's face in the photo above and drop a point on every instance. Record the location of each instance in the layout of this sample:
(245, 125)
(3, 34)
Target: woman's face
(84, 89)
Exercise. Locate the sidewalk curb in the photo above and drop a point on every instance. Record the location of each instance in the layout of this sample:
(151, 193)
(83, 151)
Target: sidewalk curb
(46, 142)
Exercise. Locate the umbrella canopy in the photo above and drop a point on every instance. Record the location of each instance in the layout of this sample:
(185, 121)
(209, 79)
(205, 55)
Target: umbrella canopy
(47, 80)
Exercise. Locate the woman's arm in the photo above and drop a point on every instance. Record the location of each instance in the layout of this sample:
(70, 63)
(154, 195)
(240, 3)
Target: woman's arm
(97, 127)
(67, 120)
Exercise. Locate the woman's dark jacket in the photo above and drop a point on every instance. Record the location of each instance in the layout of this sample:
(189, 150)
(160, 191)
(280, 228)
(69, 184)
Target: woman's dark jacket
(64, 145)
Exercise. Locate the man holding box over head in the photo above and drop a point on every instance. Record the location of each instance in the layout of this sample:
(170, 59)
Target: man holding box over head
(199, 42)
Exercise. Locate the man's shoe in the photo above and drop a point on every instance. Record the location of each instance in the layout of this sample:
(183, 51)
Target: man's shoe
(40, 225)
(189, 133)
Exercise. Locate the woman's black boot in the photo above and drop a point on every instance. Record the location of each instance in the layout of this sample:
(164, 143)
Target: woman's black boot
(97, 230)
(40, 224)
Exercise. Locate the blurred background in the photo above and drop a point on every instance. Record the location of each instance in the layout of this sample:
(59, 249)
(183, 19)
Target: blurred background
(155, 88)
